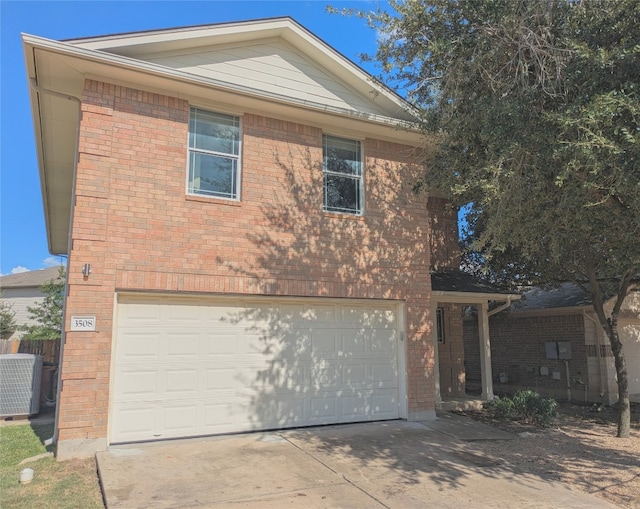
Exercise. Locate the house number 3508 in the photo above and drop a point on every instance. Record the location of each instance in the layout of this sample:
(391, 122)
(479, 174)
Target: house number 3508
(79, 323)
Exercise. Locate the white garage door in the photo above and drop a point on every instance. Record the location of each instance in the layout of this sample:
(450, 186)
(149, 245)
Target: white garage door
(187, 367)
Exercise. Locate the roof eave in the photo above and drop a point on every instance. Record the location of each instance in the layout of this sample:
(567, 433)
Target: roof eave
(471, 297)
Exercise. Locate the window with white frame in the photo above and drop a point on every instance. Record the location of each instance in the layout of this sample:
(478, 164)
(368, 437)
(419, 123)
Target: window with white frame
(214, 154)
(342, 169)
(440, 325)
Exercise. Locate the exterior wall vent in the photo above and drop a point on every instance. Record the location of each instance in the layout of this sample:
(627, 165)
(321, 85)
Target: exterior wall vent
(20, 376)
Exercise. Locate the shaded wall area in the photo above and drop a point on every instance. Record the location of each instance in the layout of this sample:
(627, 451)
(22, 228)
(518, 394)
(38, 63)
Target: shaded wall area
(519, 356)
(451, 353)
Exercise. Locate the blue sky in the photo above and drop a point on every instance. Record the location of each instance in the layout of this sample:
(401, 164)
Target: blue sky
(23, 243)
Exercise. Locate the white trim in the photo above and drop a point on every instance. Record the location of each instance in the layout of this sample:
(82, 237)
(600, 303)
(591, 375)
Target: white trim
(360, 177)
(140, 66)
(112, 367)
(403, 398)
(238, 157)
(471, 298)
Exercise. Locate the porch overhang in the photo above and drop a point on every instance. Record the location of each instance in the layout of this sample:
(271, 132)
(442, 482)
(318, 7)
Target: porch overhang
(456, 287)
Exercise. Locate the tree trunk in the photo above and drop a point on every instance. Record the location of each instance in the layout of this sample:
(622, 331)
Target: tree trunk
(624, 407)
(610, 326)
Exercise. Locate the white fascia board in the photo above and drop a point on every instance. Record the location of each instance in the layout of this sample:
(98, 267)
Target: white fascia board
(114, 61)
(471, 298)
(29, 58)
(153, 41)
(568, 310)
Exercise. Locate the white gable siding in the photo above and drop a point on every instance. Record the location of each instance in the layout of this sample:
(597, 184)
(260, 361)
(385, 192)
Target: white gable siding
(20, 299)
(273, 67)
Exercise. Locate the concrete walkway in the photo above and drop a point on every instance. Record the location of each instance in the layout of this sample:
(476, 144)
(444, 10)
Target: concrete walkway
(394, 464)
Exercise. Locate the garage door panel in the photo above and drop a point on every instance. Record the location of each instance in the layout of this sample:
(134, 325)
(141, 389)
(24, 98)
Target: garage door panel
(182, 382)
(384, 375)
(134, 422)
(354, 343)
(324, 409)
(325, 377)
(354, 408)
(182, 345)
(134, 383)
(179, 419)
(217, 379)
(384, 404)
(277, 411)
(141, 314)
(354, 375)
(383, 341)
(235, 365)
(142, 346)
(220, 341)
(325, 343)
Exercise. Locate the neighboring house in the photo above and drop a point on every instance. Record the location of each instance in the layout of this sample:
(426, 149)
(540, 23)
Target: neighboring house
(22, 290)
(245, 247)
(552, 342)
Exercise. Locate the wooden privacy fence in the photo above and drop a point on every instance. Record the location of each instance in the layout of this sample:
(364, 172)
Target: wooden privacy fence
(49, 349)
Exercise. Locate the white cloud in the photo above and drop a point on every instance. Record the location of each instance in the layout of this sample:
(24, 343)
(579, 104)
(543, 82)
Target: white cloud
(52, 261)
(19, 269)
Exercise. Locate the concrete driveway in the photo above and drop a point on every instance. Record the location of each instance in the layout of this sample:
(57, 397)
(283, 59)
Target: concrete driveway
(386, 464)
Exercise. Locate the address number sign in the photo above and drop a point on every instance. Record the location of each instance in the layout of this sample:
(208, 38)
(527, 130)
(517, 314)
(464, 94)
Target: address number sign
(80, 323)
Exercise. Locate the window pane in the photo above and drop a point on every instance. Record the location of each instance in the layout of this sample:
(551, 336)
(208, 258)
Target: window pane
(342, 156)
(212, 175)
(214, 132)
(342, 194)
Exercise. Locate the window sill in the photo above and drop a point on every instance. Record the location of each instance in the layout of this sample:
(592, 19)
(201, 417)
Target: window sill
(343, 215)
(212, 199)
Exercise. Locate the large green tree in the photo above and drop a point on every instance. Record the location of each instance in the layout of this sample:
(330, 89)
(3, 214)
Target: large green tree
(47, 314)
(534, 106)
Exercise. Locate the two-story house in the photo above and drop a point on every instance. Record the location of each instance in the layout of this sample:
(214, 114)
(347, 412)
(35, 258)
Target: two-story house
(246, 250)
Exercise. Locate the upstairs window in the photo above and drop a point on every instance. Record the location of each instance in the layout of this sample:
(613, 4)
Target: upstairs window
(214, 154)
(342, 168)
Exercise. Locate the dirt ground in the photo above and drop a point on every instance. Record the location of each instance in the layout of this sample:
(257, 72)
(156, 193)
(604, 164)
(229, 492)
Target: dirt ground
(579, 449)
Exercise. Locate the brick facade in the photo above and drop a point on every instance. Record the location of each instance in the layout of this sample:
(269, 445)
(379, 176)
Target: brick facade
(135, 225)
(443, 234)
(518, 349)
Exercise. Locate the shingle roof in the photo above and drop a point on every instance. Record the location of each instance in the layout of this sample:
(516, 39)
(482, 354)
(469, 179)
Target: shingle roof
(458, 281)
(30, 279)
(565, 296)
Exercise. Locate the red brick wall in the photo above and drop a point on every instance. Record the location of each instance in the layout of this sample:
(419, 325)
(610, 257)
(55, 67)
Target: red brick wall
(137, 228)
(518, 349)
(443, 239)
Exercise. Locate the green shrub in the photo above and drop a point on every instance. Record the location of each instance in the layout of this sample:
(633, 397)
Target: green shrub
(525, 406)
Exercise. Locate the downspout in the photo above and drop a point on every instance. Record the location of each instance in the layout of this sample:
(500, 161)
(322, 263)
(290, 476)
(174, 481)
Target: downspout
(61, 95)
(499, 308)
(604, 379)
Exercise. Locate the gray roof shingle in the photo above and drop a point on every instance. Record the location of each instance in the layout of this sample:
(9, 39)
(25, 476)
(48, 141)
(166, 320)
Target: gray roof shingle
(30, 279)
(458, 281)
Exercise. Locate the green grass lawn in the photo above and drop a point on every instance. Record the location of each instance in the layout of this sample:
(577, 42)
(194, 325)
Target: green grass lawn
(65, 484)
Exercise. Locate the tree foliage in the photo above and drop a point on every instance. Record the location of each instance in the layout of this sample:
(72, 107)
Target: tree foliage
(534, 106)
(7, 319)
(48, 313)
